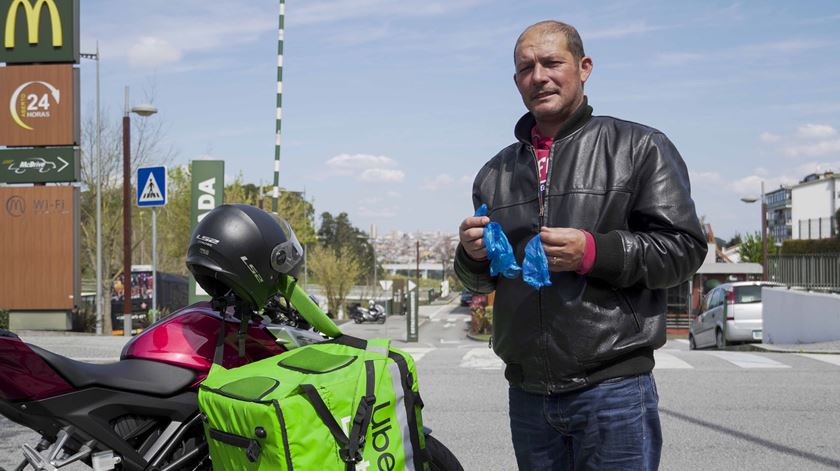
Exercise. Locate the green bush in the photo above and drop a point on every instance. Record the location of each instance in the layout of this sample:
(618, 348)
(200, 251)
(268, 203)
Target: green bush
(4, 319)
(817, 246)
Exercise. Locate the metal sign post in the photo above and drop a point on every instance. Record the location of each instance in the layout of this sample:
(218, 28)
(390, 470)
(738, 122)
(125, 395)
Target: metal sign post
(151, 192)
(411, 327)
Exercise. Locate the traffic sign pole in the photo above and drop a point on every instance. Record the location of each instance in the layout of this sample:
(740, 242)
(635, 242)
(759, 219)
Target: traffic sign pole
(154, 264)
(151, 192)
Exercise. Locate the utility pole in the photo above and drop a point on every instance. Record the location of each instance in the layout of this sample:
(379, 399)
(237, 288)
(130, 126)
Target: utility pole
(280, 34)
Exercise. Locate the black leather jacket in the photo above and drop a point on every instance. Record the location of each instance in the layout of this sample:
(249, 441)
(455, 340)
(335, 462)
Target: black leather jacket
(627, 185)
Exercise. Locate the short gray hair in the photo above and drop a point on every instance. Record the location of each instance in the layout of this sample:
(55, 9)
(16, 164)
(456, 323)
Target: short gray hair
(573, 41)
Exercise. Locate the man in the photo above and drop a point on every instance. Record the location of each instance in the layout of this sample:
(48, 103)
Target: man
(610, 200)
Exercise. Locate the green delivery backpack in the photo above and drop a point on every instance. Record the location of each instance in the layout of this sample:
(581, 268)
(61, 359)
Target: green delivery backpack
(345, 404)
(342, 404)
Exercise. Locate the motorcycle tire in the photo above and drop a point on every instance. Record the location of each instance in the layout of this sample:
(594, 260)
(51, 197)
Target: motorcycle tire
(357, 320)
(441, 459)
(381, 321)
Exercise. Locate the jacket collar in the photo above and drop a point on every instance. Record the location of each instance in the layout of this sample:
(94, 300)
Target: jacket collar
(522, 131)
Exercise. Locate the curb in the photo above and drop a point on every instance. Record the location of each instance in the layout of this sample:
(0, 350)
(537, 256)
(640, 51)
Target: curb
(761, 348)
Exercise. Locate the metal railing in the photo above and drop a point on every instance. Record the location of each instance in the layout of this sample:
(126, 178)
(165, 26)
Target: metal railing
(819, 272)
(817, 228)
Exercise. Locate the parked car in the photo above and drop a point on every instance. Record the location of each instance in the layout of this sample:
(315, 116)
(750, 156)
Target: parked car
(466, 297)
(730, 313)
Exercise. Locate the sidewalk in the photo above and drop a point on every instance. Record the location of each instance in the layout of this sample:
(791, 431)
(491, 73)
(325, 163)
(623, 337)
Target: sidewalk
(92, 348)
(832, 347)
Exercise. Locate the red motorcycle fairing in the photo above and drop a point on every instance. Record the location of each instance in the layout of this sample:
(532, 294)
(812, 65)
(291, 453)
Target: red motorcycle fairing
(187, 338)
(25, 375)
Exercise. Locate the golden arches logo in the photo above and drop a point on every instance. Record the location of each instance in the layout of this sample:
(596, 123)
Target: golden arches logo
(33, 20)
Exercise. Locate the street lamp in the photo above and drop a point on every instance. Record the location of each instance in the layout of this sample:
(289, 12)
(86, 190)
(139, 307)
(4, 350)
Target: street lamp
(99, 304)
(752, 199)
(142, 110)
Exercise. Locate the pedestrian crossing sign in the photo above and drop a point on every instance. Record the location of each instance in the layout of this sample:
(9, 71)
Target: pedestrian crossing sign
(151, 186)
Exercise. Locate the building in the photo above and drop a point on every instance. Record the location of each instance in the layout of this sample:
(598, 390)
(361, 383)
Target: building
(814, 204)
(779, 204)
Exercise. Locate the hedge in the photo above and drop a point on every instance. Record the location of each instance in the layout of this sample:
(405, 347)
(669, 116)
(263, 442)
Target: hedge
(816, 246)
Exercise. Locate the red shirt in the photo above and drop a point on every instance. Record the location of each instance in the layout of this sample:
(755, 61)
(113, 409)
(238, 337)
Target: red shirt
(542, 147)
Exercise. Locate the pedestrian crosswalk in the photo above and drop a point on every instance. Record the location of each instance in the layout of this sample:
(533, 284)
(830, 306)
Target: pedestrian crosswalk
(483, 358)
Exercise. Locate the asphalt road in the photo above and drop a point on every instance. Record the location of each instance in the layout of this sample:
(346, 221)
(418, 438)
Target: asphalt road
(720, 410)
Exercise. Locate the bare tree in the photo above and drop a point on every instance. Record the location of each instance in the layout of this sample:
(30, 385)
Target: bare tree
(337, 272)
(148, 145)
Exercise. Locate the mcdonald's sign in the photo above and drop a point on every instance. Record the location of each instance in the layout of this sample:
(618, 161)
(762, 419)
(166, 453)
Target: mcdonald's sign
(39, 31)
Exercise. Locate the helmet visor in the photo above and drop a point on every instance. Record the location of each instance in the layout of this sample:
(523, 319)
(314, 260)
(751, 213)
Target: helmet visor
(286, 255)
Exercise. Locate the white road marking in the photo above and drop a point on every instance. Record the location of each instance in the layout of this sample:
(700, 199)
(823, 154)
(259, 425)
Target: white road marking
(748, 360)
(448, 325)
(685, 341)
(482, 359)
(417, 353)
(825, 357)
(666, 361)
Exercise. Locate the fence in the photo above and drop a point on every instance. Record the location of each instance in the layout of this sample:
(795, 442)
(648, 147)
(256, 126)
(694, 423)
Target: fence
(817, 228)
(818, 272)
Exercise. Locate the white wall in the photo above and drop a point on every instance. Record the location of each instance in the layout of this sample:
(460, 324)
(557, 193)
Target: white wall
(792, 317)
(812, 200)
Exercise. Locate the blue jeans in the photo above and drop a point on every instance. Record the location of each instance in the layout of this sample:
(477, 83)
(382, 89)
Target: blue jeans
(613, 425)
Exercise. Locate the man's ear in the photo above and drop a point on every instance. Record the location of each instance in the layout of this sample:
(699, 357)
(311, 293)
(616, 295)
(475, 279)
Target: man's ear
(585, 68)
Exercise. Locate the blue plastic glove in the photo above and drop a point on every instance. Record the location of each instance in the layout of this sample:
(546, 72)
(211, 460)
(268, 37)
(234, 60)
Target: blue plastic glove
(499, 251)
(535, 266)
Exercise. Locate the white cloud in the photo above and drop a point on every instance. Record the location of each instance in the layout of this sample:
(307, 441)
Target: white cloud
(379, 212)
(359, 162)
(817, 149)
(704, 178)
(441, 181)
(769, 137)
(313, 12)
(817, 167)
(639, 27)
(815, 131)
(382, 175)
(393, 194)
(153, 52)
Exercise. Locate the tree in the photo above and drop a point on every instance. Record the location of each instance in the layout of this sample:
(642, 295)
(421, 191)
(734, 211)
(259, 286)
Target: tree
(337, 272)
(750, 250)
(148, 142)
(338, 232)
(735, 240)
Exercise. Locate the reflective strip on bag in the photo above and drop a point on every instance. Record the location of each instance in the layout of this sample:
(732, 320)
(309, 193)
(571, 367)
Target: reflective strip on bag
(402, 420)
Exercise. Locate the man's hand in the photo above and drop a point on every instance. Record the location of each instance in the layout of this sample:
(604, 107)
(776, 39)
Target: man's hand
(563, 247)
(471, 234)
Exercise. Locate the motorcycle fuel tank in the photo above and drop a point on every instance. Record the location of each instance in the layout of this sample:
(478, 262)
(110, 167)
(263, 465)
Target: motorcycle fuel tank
(187, 338)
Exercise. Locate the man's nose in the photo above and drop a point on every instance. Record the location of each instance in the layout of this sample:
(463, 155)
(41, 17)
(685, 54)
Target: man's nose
(539, 74)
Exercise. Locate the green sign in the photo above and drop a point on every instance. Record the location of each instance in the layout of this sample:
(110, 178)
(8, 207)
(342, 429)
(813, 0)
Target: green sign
(39, 31)
(39, 165)
(208, 191)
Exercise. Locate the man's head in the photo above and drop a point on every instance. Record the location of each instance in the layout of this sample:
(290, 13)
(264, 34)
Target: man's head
(551, 68)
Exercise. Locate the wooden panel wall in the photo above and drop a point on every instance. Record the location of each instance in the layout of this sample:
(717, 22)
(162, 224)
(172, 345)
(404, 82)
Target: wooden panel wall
(38, 247)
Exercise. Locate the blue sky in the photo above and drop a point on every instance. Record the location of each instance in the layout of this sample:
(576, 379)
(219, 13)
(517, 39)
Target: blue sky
(391, 107)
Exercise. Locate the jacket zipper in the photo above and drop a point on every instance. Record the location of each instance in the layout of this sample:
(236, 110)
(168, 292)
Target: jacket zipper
(624, 299)
(543, 201)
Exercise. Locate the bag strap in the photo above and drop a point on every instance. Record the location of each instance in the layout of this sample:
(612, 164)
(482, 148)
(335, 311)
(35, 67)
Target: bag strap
(351, 446)
(252, 447)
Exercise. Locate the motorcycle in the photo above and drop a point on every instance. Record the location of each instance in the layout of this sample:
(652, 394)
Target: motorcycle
(359, 314)
(141, 413)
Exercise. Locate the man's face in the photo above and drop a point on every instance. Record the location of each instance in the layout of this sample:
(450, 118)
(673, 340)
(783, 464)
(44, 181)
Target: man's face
(548, 77)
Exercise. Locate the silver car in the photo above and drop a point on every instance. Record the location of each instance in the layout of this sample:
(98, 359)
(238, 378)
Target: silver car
(730, 313)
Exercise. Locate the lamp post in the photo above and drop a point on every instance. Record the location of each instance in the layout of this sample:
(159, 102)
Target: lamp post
(763, 229)
(99, 303)
(142, 110)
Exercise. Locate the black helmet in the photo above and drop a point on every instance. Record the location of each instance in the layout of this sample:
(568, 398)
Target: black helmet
(245, 249)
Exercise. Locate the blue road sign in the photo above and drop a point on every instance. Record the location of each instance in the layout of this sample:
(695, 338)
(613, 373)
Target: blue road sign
(151, 186)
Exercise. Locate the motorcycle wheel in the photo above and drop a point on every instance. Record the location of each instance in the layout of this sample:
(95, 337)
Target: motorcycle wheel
(357, 320)
(381, 320)
(441, 458)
